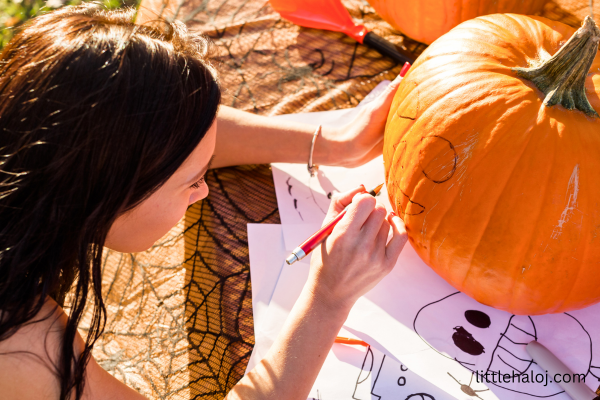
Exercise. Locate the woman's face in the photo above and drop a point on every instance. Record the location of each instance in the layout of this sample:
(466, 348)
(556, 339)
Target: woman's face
(138, 229)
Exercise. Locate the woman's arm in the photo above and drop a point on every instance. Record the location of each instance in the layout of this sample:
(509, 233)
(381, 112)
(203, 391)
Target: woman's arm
(349, 264)
(244, 138)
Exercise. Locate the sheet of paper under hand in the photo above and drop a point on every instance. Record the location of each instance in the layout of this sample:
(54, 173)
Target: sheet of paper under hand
(439, 333)
(265, 243)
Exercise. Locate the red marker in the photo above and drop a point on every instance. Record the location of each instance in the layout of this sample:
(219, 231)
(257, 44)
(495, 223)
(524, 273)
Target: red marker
(405, 69)
(345, 340)
(319, 237)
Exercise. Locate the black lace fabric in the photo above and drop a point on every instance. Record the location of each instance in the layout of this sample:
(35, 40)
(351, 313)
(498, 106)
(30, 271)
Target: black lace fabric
(217, 287)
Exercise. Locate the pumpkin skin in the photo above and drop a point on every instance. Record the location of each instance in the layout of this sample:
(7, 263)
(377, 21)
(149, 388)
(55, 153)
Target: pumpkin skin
(499, 193)
(425, 21)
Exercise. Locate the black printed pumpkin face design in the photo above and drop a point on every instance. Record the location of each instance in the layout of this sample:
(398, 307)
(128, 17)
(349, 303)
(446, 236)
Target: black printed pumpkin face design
(464, 340)
(483, 339)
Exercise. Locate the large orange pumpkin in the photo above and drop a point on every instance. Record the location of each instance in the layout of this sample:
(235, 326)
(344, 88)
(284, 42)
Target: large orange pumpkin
(425, 21)
(492, 158)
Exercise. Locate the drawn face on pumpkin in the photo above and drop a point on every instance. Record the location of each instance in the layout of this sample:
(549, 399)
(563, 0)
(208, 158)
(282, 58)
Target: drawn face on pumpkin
(487, 340)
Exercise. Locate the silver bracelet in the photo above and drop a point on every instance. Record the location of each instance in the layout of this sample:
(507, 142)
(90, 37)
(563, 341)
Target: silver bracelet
(312, 169)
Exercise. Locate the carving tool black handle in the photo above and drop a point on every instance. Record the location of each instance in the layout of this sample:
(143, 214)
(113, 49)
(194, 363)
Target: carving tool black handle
(387, 48)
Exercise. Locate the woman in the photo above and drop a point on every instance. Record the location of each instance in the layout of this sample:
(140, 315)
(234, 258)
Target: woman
(107, 130)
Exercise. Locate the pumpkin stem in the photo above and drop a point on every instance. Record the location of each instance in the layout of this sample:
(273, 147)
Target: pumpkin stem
(562, 77)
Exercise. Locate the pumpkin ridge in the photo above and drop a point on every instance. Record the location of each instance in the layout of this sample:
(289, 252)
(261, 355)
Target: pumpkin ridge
(490, 22)
(491, 123)
(539, 23)
(451, 91)
(491, 214)
(582, 242)
(570, 290)
(473, 165)
(527, 248)
(495, 27)
(481, 59)
(434, 107)
(514, 293)
(587, 241)
(473, 41)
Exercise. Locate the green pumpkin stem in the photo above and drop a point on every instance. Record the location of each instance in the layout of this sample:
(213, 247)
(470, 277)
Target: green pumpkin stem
(562, 77)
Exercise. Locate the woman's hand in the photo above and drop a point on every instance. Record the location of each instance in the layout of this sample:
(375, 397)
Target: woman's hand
(244, 138)
(361, 139)
(355, 257)
(349, 263)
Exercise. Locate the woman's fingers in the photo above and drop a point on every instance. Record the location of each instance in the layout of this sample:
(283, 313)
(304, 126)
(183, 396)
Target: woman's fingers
(359, 239)
(358, 212)
(364, 135)
(399, 238)
(384, 100)
(339, 201)
(379, 107)
(373, 224)
(382, 235)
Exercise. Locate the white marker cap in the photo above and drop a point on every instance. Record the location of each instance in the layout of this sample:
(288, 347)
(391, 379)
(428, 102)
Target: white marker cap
(549, 362)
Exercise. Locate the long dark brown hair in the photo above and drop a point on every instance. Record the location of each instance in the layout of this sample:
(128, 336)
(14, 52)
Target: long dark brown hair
(96, 113)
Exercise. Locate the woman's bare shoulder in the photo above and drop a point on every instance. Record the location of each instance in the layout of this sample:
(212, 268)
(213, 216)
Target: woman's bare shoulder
(28, 362)
(27, 358)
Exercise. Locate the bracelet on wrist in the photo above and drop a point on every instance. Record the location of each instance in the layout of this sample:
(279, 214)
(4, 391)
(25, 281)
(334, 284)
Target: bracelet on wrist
(312, 169)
